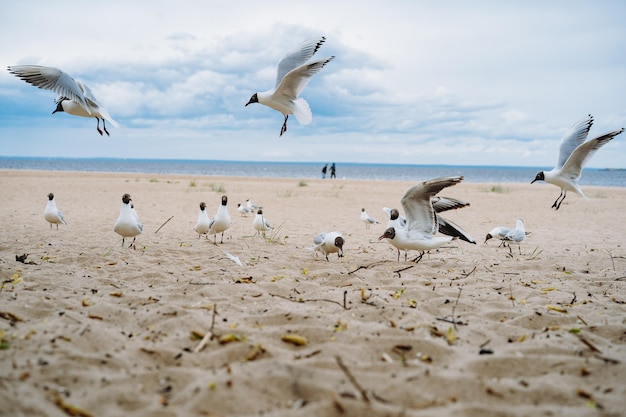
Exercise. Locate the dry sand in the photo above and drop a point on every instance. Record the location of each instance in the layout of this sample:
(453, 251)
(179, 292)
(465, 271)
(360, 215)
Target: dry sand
(93, 328)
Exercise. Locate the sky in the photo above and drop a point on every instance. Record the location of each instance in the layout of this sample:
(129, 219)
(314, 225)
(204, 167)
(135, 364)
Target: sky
(412, 82)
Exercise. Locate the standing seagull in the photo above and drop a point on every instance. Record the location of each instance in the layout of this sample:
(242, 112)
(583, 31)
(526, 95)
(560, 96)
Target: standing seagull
(251, 206)
(497, 232)
(203, 224)
(260, 223)
(127, 224)
(221, 222)
(422, 223)
(293, 75)
(75, 98)
(329, 243)
(367, 219)
(516, 235)
(243, 209)
(52, 213)
(574, 152)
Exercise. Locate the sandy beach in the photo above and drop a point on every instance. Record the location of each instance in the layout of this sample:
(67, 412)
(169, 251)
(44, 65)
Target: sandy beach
(174, 327)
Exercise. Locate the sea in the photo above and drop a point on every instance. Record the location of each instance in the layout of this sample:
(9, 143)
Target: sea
(304, 170)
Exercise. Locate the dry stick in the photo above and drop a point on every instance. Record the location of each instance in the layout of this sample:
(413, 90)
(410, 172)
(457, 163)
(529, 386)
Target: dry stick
(209, 335)
(612, 261)
(397, 271)
(345, 293)
(352, 379)
(511, 296)
(469, 273)
(157, 230)
(311, 299)
(367, 266)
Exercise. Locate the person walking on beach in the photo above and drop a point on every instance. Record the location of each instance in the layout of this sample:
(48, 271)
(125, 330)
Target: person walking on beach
(324, 171)
(332, 171)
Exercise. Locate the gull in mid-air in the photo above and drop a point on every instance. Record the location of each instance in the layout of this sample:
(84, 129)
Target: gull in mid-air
(329, 243)
(75, 97)
(294, 73)
(422, 222)
(221, 222)
(203, 224)
(574, 152)
(52, 213)
(127, 224)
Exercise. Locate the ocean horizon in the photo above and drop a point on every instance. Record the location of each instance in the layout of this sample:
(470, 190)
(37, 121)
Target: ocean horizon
(303, 170)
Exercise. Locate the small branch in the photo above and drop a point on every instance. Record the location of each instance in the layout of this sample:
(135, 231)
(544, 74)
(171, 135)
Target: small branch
(367, 266)
(454, 308)
(157, 230)
(209, 335)
(397, 271)
(612, 259)
(352, 379)
(469, 273)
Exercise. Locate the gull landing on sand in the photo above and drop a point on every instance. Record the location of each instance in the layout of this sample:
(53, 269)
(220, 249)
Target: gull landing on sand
(574, 152)
(294, 73)
(75, 97)
(422, 223)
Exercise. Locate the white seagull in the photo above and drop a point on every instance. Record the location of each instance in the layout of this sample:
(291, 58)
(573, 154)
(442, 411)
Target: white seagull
(127, 224)
(203, 224)
(260, 223)
(75, 97)
(422, 222)
(574, 152)
(294, 73)
(243, 209)
(52, 213)
(498, 233)
(516, 235)
(329, 243)
(395, 219)
(221, 222)
(367, 219)
(253, 207)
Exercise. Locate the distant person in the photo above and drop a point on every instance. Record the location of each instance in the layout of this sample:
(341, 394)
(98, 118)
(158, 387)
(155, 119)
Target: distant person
(332, 171)
(324, 170)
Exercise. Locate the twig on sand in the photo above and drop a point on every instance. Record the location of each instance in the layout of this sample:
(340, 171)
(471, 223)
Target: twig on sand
(157, 230)
(367, 266)
(612, 259)
(469, 273)
(397, 271)
(453, 320)
(209, 335)
(302, 300)
(352, 379)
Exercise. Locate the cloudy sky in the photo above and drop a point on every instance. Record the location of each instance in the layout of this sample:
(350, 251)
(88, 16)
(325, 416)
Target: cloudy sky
(417, 82)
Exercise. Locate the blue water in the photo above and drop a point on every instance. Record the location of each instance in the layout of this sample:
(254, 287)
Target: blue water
(303, 170)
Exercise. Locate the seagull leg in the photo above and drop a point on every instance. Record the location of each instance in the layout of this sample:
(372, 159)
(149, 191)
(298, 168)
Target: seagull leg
(557, 203)
(284, 128)
(222, 241)
(98, 126)
(104, 125)
(133, 242)
(122, 242)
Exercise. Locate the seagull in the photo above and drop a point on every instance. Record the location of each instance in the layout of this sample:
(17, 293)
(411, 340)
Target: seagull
(127, 224)
(516, 235)
(367, 219)
(329, 243)
(497, 232)
(422, 223)
(574, 152)
(253, 207)
(395, 219)
(203, 224)
(260, 223)
(294, 73)
(243, 209)
(52, 213)
(75, 97)
(221, 222)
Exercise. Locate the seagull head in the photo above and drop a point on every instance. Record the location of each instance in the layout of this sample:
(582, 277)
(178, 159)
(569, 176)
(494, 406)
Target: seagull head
(488, 237)
(253, 99)
(224, 200)
(390, 233)
(339, 242)
(126, 198)
(540, 177)
(202, 206)
(50, 196)
(394, 214)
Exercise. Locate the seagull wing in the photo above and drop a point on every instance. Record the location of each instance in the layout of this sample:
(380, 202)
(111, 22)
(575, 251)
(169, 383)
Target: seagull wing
(574, 164)
(297, 57)
(575, 136)
(319, 239)
(295, 80)
(441, 204)
(450, 228)
(417, 205)
(49, 78)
